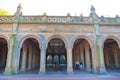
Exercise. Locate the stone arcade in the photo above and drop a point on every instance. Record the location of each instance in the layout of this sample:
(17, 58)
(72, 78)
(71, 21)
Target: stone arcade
(37, 42)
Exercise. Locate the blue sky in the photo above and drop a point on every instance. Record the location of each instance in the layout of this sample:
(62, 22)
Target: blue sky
(62, 7)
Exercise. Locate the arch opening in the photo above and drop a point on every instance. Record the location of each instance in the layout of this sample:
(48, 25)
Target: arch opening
(111, 55)
(30, 56)
(3, 54)
(82, 55)
(56, 54)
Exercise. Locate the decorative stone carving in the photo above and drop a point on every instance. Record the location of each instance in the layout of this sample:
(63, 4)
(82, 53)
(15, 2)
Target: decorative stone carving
(18, 12)
(68, 17)
(117, 19)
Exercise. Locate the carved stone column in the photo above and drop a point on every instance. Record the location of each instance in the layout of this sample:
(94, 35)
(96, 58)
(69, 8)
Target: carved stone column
(8, 62)
(38, 59)
(99, 49)
(24, 58)
(95, 66)
(82, 55)
(3, 55)
(69, 61)
(73, 57)
(11, 52)
(77, 55)
(87, 57)
(33, 59)
(42, 60)
(11, 65)
(116, 60)
(106, 53)
(29, 58)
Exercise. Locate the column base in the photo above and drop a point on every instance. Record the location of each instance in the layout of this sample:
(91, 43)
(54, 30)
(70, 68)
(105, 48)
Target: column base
(102, 70)
(42, 73)
(28, 68)
(70, 73)
(70, 70)
(22, 70)
(7, 71)
(89, 69)
(11, 71)
(14, 70)
(95, 70)
(42, 70)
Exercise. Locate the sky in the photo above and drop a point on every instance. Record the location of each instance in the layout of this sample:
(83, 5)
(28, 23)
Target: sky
(107, 8)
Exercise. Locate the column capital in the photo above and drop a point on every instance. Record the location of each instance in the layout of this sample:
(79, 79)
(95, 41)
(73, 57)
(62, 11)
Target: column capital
(43, 47)
(69, 47)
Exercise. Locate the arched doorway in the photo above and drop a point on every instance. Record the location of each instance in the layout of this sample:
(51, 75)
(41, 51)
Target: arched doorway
(82, 55)
(30, 56)
(111, 55)
(3, 54)
(56, 53)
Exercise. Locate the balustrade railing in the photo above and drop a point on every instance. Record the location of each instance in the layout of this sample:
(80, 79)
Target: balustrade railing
(59, 19)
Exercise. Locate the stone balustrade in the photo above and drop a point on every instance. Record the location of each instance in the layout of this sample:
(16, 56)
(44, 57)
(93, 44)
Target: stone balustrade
(7, 19)
(60, 19)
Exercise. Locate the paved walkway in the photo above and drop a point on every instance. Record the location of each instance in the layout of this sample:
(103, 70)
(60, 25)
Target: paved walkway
(60, 77)
(57, 75)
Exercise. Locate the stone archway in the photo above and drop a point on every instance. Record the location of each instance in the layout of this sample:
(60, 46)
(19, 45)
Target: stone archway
(29, 36)
(87, 38)
(56, 53)
(3, 53)
(57, 36)
(111, 54)
(115, 38)
(82, 53)
(30, 55)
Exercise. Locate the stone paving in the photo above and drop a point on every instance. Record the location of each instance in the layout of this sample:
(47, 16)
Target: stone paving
(53, 75)
(60, 77)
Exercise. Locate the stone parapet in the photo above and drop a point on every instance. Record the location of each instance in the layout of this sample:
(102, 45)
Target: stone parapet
(61, 20)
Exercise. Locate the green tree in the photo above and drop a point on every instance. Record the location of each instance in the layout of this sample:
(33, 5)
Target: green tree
(3, 12)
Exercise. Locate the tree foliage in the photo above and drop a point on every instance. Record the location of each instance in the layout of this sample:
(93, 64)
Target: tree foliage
(3, 12)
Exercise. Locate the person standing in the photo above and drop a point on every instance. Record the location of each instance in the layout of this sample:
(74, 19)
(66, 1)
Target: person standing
(81, 65)
(77, 65)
